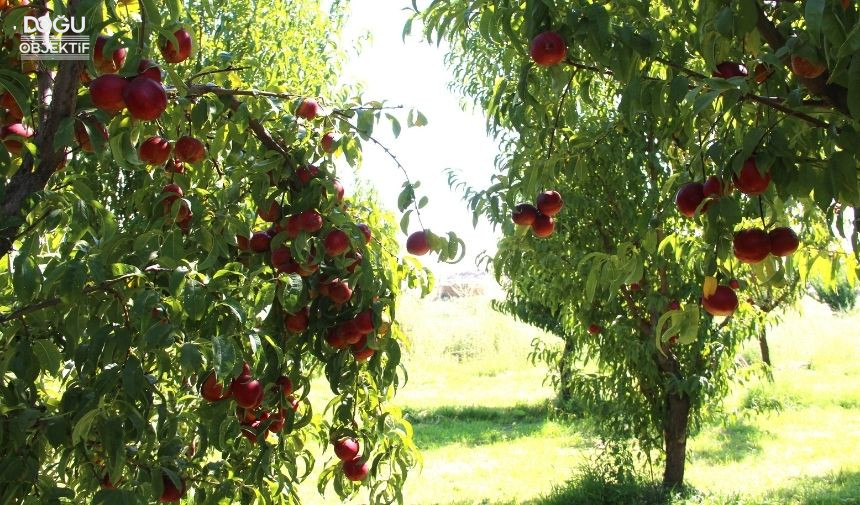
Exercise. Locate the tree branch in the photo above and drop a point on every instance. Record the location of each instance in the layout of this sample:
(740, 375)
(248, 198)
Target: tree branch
(27, 180)
(390, 155)
(101, 287)
(833, 93)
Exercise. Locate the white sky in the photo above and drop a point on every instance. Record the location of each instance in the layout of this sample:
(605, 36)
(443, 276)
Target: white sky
(413, 74)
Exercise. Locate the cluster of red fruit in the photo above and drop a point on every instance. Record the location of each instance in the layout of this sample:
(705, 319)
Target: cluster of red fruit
(800, 66)
(11, 115)
(346, 449)
(142, 94)
(248, 394)
(157, 151)
(750, 246)
(540, 218)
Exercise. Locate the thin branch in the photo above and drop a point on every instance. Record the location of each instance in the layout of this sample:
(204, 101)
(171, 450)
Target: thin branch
(101, 287)
(396, 162)
(820, 86)
(218, 71)
(32, 225)
(764, 100)
(558, 114)
(203, 89)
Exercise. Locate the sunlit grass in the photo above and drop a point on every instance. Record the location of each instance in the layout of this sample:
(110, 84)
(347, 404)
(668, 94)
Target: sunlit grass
(488, 433)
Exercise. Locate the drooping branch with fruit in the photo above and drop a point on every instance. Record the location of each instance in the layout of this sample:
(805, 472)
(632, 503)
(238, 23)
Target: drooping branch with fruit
(643, 286)
(181, 266)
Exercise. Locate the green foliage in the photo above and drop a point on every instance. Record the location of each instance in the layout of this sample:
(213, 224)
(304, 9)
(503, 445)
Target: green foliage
(115, 309)
(842, 297)
(629, 115)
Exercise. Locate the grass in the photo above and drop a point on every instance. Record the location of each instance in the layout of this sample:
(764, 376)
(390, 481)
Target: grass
(489, 435)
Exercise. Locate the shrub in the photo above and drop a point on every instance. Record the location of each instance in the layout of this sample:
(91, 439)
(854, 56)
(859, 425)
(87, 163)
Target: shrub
(840, 297)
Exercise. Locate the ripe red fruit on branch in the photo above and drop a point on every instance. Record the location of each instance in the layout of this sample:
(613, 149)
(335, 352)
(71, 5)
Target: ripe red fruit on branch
(308, 109)
(418, 244)
(336, 243)
(107, 65)
(310, 221)
(713, 187)
(327, 143)
(723, 302)
(805, 68)
(213, 391)
(689, 197)
(297, 322)
(173, 53)
(360, 351)
(247, 392)
(524, 214)
(355, 470)
(543, 226)
(282, 259)
(729, 69)
(338, 190)
(335, 338)
(762, 73)
(7, 101)
(547, 49)
(14, 146)
(305, 174)
(270, 214)
(154, 151)
(346, 449)
(176, 193)
(734, 284)
(175, 166)
(190, 149)
(356, 258)
(783, 241)
(260, 241)
(339, 292)
(277, 423)
(83, 137)
(749, 181)
(751, 246)
(105, 483)
(171, 493)
(148, 68)
(107, 93)
(594, 329)
(549, 203)
(364, 321)
(365, 230)
(145, 98)
(285, 384)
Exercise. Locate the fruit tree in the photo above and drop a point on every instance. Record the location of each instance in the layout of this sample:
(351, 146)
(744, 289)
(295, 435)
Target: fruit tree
(690, 143)
(180, 261)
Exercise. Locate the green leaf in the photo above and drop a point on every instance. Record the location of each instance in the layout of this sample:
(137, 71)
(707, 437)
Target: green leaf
(82, 427)
(813, 12)
(225, 358)
(48, 355)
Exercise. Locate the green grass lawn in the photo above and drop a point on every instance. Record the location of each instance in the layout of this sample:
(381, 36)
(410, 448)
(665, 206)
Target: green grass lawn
(483, 419)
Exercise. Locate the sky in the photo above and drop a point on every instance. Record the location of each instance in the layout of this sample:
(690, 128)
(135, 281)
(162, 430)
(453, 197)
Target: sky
(413, 74)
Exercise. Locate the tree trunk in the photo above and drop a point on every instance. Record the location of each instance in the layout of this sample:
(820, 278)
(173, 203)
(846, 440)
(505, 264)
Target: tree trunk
(675, 436)
(564, 373)
(765, 350)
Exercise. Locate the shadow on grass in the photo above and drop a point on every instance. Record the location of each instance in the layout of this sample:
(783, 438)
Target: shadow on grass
(736, 441)
(475, 425)
(836, 489)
